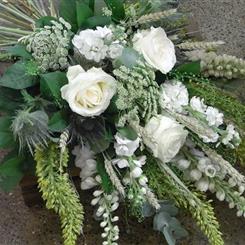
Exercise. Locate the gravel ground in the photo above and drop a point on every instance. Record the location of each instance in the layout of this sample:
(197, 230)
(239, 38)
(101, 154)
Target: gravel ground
(20, 225)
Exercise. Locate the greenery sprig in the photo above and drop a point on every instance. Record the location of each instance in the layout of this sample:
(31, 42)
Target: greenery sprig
(58, 191)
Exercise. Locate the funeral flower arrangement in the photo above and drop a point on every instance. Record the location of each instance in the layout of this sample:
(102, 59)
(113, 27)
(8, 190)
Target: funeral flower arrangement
(120, 91)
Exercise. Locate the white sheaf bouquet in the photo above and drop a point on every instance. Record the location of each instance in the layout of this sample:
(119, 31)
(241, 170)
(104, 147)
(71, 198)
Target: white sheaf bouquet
(119, 90)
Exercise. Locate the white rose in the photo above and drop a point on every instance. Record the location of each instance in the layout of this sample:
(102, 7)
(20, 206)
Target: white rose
(156, 48)
(124, 146)
(164, 136)
(88, 93)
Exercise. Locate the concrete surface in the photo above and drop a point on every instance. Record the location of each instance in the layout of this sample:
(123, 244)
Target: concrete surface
(20, 225)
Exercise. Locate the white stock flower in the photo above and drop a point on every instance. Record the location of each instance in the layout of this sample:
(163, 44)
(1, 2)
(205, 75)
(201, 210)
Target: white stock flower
(164, 136)
(157, 49)
(124, 146)
(231, 135)
(174, 96)
(88, 93)
(214, 117)
(90, 44)
(140, 161)
(197, 104)
(115, 50)
(121, 163)
(84, 159)
(136, 172)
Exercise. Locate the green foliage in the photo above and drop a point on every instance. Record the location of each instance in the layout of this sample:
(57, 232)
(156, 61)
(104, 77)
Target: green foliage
(165, 222)
(11, 173)
(105, 178)
(58, 191)
(19, 51)
(117, 8)
(44, 21)
(51, 84)
(94, 21)
(10, 100)
(16, 77)
(193, 68)
(58, 122)
(76, 12)
(83, 13)
(6, 136)
(128, 132)
(201, 210)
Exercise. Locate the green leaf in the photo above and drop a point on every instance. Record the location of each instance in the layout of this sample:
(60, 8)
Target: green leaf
(44, 21)
(10, 100)
(128, 133)
(68, 11)
(19, 51)
(193, 67)
(58, 122)
(105, 179)
(83, 13)
(5, 123)
(16, 77)
(10, 173)
(117, 8)
(96, 21)
(6, 140)
(51, 84)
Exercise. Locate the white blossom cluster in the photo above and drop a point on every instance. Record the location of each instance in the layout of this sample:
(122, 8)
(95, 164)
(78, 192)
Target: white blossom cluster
(107, 204)
(211, 176)
(175, 98)
(134, 178)
(86, 162)
(49, 45)
(98, 44)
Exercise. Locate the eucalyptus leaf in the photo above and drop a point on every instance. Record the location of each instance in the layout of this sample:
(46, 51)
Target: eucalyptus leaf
(148, 210)
(129, 58)
(16, 77)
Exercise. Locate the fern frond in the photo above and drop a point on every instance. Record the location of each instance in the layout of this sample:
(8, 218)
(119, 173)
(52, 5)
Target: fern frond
(58, 191)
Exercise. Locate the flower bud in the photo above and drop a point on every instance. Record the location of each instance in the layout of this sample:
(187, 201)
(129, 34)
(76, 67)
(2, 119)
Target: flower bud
(202, 184)
(183, 164)
(220, 195)
(195, 174)
(136, 172)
